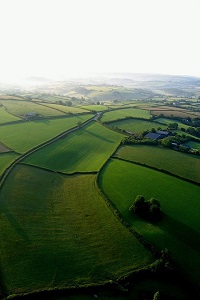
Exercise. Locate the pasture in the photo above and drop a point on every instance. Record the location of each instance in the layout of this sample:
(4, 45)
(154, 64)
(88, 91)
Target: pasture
(175, 113)
(21, 108)
(178, 163)
(21, 137)
(137, 126)
(5, 117)
(194, 145)
(6, 159)
(84, 150)
(123, 113)
(67, 109)
(180, 227)
(56, 231)
(95, 107)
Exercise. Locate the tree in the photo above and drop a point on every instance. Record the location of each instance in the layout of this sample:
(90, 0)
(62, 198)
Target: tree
(148, 209)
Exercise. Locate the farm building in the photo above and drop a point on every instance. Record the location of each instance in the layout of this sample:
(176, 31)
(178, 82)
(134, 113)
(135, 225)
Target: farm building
(31, 115)
(160, 134)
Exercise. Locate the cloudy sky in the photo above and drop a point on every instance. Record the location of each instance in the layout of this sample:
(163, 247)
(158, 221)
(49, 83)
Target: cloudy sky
(64, 38)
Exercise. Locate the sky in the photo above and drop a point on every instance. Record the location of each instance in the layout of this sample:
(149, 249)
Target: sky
(71, 38)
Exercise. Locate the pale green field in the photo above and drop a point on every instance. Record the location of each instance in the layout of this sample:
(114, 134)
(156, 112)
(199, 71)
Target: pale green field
(5, 117)
(22, 137)
(67, 109)
(21, 108)
(179, 230)
(95, 107)
(56, 231)
(175, 162)
(123, 113)
(84, 150)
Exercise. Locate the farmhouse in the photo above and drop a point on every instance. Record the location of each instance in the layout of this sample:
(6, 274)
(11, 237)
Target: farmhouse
(31, 115)
(160, 134)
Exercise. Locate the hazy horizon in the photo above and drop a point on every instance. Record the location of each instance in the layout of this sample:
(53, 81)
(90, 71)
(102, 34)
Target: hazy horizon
(59, 39)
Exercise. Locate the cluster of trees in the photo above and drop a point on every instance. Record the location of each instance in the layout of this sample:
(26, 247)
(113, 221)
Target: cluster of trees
(148, 209)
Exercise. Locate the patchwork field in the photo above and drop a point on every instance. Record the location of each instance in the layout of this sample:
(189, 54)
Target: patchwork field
(67, 109)
(56, 231)
(95, 107)
(22, 137)
(81, 151)
(21, 108)
(137, 126)
(5, 160)
(5, 117)
(123, 113)
(175, 113)
(178, 163)
(180, 226)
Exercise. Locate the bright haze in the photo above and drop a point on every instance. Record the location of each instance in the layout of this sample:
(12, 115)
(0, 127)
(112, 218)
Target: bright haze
(60, 39)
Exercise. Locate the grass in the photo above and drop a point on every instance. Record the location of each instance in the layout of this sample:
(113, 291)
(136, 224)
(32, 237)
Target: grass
(175, 162)
(56, 231)
(123, 113)
(194, 145)
(95, 107)
(5, 160)
(21, 108)
(5, 117)
(84, 150)
(175, 113)
(137, 126)
(66, 109)
(22, 137)
(179, 230)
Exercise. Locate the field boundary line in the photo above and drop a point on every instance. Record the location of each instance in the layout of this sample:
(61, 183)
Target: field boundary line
(38, 147)
(157, 169)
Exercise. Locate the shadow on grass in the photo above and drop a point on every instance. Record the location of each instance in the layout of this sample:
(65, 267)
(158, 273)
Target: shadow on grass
(181, 231)
(16, 226)
(99, 137)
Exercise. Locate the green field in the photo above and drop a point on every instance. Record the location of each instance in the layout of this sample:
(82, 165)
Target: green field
(179, 230)
(56, 231)
(22, 137)
(137, 126)
(6, 159)
(95, 107)
(81, 151)
(123, 113)
(21, 108)
(194, 145)
(168, 121)
(67, 109)
(5, 117)
(175, 162)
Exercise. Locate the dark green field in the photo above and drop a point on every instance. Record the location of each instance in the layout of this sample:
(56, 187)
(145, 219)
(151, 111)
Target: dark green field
(179, 230)
(57, 231)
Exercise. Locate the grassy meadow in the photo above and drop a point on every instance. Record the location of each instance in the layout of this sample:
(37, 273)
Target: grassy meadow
(5, 117)
(81, 151)
(180, 226)
(21, 108)
(6, 159)
(22, 137)
(178, 163)
(95, 107)
(125, 112)
(137, 126)
(56, 231)
(66, 109)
